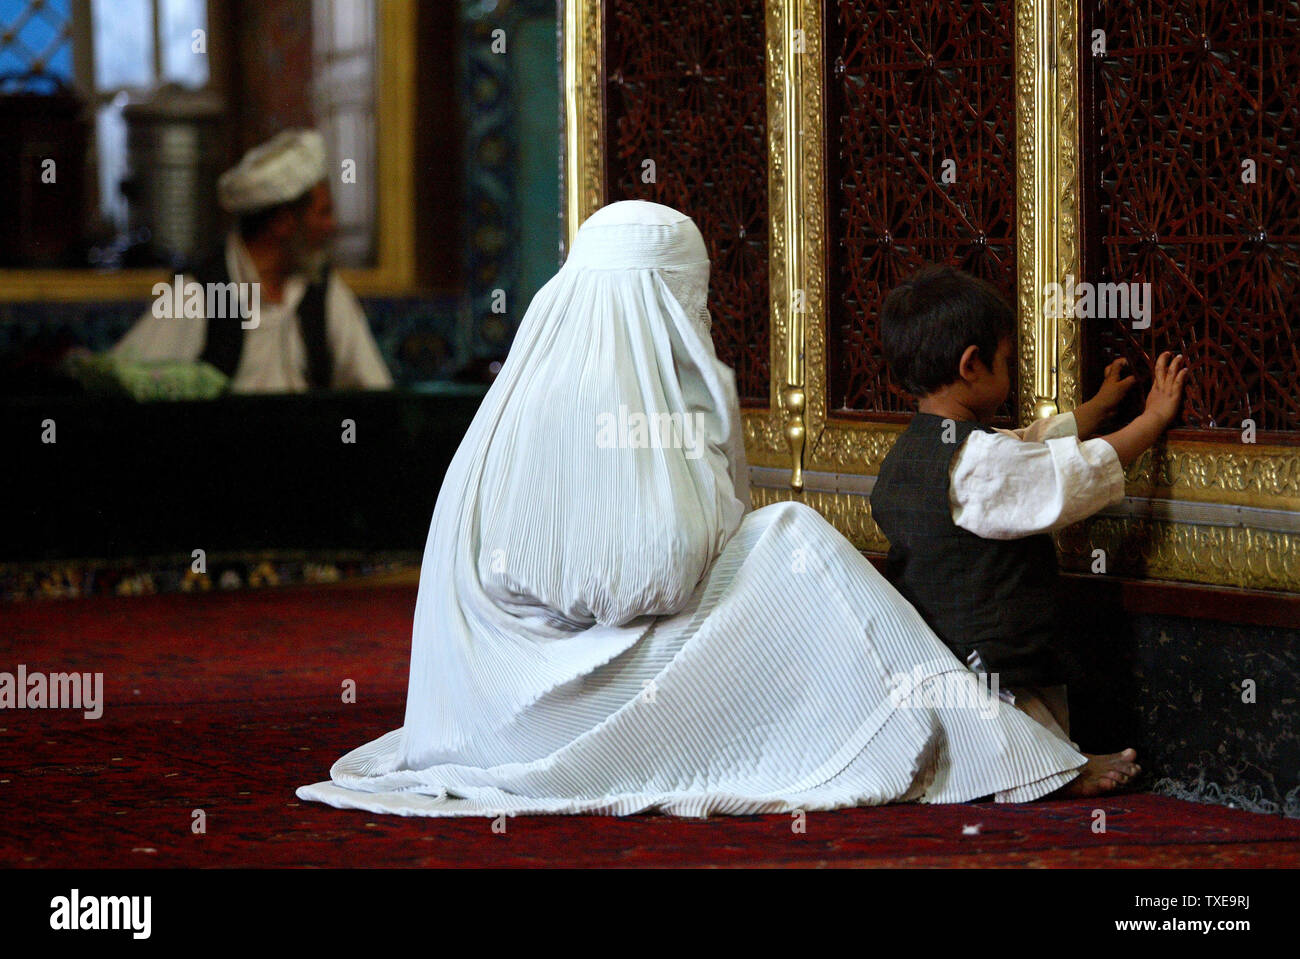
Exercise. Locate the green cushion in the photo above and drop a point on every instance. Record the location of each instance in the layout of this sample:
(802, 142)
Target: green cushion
(106, 374)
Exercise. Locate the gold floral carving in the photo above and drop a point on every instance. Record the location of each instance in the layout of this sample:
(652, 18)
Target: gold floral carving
(1065, 189)
(1026, 212)
(1264, 477)
(1153, 549)
(849, 513)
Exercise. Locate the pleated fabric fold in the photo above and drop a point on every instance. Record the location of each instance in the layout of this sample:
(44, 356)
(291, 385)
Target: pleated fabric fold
(603, 626)
(599, 479)
(736, 706)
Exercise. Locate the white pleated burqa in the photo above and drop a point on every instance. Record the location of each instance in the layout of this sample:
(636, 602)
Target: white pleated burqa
(604, 626)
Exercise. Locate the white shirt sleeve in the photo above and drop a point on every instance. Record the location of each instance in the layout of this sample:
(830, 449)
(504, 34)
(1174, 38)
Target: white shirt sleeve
(358, 363)
(1039, 431)
(1015, 483)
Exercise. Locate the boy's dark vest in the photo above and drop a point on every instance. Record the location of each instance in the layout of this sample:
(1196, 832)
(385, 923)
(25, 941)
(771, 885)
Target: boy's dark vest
(994, 597)
(225, 336)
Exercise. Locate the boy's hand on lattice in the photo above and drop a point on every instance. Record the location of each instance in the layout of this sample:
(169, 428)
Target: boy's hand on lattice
(1115, 386)
(1167, 390)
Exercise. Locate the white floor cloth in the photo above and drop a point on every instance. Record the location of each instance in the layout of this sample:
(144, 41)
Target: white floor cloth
(736, 705)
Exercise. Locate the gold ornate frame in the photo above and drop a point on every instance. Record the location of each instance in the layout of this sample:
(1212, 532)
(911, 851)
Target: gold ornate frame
(1197, 512)
(1249, 536)
(394, 270)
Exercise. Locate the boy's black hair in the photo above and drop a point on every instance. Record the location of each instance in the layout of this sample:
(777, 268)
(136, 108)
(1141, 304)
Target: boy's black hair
(927, 323)
(254, 224)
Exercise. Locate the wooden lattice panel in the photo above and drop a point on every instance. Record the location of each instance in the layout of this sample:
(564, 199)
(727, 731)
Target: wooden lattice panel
(684, 88)
(1188, 104)
(910, 86)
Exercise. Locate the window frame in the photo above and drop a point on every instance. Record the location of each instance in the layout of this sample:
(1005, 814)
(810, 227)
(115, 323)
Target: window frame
(394, 270)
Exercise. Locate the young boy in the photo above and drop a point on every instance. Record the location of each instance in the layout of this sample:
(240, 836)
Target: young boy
(968, 509)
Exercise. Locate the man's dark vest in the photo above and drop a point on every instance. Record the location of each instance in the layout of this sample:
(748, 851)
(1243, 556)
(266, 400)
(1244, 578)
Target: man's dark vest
(225, 336)
(995, 597)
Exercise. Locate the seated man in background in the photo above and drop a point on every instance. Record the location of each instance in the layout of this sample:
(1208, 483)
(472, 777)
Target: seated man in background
(306, 329)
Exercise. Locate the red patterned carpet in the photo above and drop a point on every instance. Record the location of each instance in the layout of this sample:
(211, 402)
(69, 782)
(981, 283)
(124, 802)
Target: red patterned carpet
(227, 702)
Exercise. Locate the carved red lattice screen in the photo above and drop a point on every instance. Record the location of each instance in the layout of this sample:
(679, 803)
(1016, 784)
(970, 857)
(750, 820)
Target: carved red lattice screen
(1187, 101)
(685, 87)
(910, 86)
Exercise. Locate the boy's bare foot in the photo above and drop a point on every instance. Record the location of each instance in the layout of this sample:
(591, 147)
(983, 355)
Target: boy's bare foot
(1102, 774)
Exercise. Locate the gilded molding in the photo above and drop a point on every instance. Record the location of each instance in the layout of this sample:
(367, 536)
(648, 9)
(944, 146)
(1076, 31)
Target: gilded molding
(1026, 218)
(765, 442)
(1143, 549)
(776, 198)
(584, 150)
(1266, 477)
(395, 119)
(855, 449)
(1047, 220)
(847, 512)
(1069, 387)
(765, 439)
(829, 446)
(1217, 555)
(793, 61)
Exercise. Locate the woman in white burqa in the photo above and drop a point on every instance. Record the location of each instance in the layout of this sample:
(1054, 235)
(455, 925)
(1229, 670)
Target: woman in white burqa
(603, 624)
